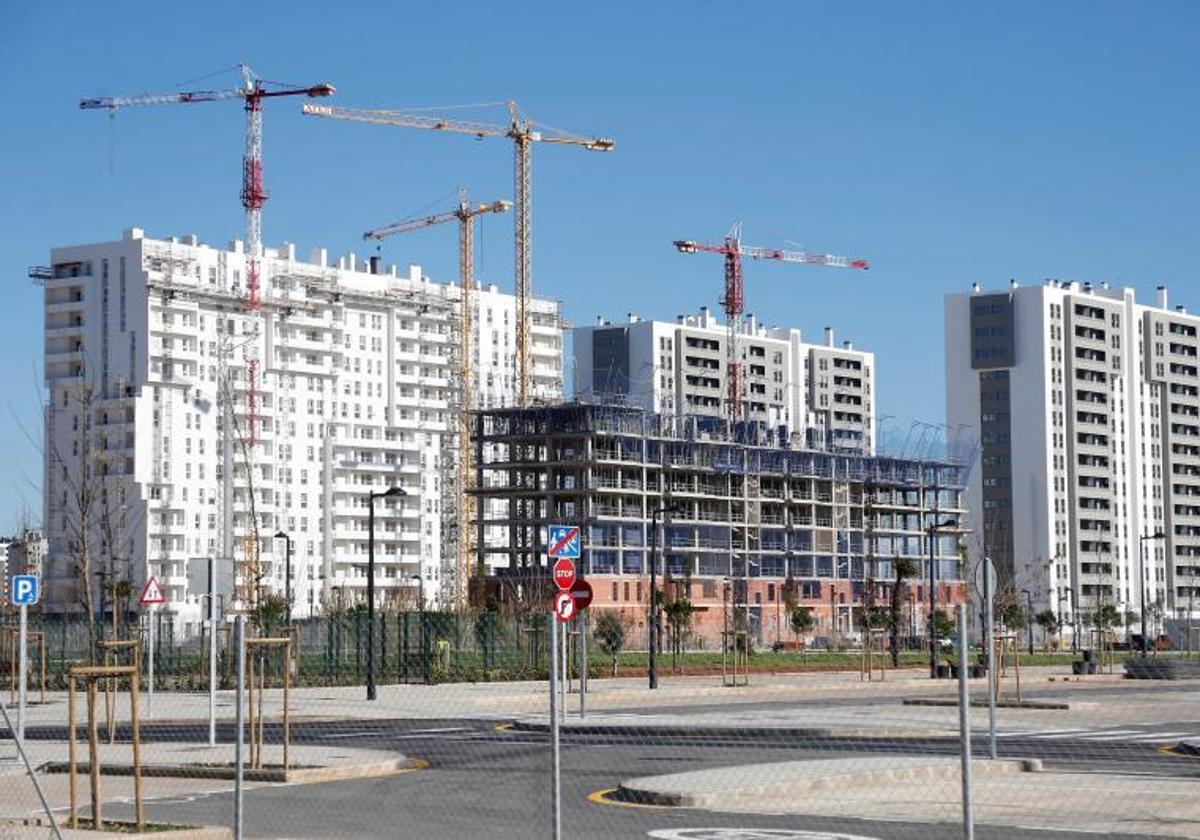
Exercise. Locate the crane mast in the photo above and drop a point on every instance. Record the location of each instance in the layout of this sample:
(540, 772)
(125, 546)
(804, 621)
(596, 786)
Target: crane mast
(733, 301)
(465, 214)
(253, 91)
(524, 133)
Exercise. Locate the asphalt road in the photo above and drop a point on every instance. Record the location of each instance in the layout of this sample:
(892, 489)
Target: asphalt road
(487, 783)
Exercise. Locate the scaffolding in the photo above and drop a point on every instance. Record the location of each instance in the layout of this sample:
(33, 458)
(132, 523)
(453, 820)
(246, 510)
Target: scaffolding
(746, 503)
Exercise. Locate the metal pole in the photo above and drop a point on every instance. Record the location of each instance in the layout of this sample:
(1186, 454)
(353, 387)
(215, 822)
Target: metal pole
(239, 628)
(563, 655)
(287, 591)
(371, 596)
(1029, 618)
(152, 615)
(583, 669)
(653, 601)
(23, 666)
(212, 651)
(1142, 578)
(989, 641)
(556, 784)
(964, 725)
(933, 635)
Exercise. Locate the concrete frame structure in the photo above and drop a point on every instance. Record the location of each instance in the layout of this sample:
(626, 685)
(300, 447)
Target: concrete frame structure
(822, 393)
(829, 523)
(1087, 406)
(146, 349)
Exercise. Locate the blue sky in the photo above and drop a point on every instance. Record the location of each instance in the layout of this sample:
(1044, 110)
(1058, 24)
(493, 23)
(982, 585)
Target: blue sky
(947, 142)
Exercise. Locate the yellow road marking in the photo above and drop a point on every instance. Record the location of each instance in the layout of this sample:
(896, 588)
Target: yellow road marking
(601, 797)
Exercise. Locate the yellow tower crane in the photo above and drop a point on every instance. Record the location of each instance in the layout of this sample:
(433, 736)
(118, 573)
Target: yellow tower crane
(522, 131)
(465, 214)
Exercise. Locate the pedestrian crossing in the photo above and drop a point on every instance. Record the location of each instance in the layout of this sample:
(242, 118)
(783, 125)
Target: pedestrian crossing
(1113, 734)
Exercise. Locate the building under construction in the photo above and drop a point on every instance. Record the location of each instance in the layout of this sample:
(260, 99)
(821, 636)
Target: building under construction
(748, 522)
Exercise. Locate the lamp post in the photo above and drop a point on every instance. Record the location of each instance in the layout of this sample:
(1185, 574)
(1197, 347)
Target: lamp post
(654, 591)
(1029, 616)
(1157, 535)
(932, 529)
(371, 497)
(287, 574)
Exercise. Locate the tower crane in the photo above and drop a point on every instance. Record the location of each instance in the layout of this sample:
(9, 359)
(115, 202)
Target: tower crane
(254, 90)
(733, 301)
(521, 130)
(465, 214)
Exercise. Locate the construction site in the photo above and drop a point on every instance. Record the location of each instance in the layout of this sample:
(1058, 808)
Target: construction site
(247, 405)
(749, 526)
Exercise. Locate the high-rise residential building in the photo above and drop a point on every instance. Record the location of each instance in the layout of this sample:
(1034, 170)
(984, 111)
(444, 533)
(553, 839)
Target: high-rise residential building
(821, 392)
(179, 423)
(1086, 405)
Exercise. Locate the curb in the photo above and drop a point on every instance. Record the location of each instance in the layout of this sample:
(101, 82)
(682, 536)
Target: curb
(35, 828)
(675, 730)
(982, 704)
(299, 775)
(1188, 748)
(631, 792)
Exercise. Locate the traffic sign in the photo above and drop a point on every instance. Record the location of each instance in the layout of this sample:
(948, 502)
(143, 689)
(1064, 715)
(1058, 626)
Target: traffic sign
(581, 593)
(152, 593)
(985, 563)
(564, 606)
(25, 590)
(564, 574)
(564, 541)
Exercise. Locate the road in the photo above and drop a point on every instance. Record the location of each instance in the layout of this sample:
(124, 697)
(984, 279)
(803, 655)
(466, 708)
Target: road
(482, 782)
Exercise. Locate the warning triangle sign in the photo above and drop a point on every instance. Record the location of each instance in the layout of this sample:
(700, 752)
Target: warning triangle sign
(152, 593)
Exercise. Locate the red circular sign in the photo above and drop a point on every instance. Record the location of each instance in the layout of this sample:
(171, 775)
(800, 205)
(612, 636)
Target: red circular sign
(581, 591)
(564, 606)
(564, 574)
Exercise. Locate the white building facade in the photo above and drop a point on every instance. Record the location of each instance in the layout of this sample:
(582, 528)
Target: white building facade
(822, 392)
(178, 419)
(1086, 405)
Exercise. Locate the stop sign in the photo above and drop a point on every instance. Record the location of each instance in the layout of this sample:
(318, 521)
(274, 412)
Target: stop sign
(564, 574)
(581, 591)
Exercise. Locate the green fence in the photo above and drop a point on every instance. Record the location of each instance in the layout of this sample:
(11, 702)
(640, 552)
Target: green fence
(410, 647)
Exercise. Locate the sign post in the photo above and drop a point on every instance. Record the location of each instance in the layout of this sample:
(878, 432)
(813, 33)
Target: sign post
(152, 596)
(556, 783)
(25, 591)
(985, 584)
(564, 547)
(212, 651)
(581, 594)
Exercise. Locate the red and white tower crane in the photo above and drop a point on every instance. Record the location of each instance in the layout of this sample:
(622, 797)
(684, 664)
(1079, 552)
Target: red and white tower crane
(253, 90)
(734, 300)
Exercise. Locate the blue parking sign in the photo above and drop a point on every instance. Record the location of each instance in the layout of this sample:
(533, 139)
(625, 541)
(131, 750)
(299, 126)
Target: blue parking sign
(24, 590)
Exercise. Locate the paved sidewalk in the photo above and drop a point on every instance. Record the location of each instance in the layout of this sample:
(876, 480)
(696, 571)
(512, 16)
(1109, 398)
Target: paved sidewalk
(930, 789)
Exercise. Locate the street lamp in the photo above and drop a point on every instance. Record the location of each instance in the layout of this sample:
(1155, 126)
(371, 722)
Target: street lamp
(1029, 616)
(933, 528)
(1157, 535)
(668, 508)
(371, 497)
(287, 574)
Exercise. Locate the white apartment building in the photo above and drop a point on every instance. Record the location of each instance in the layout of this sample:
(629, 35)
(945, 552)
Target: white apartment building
(822, 392)
(150, 356)
(1087, 408)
